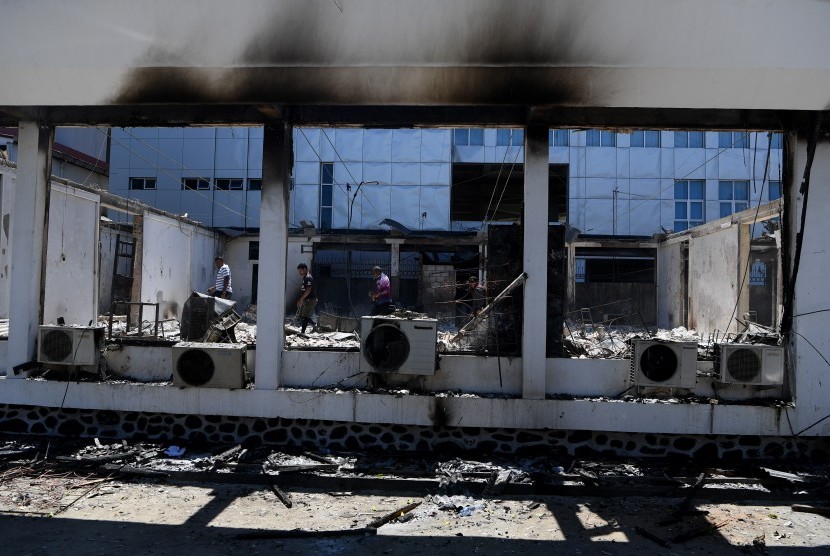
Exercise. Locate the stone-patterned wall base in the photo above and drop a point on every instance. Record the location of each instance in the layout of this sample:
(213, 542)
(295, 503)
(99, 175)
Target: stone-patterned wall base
(336, 436)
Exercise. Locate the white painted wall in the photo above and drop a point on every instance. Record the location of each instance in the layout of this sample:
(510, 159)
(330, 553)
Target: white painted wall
(811, 343)
(108, 237)
(713, 280)
(71, 267)
(670, 287)
(7, 177)
(581, 49)
(177, 259)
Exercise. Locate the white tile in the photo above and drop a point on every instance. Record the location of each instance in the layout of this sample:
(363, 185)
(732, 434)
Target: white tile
(667, 214)
(199, 133)
(490, 154)
(351, 172)
(231, 153)
(577, 159)
(255, 153)
(170, 155)
(306, 204)
(377, 145)
(599, 188)
(558, 155)
(406, 145)
(406, 173)
(373, 205)
(119, 155)
(624, 161)
(468, 154)
(307, 173)
(644, 217)
(690, 164)
(667, 163)
(307, 144)
(599, 218)
(349, 144)
(198, 153)
(171, 132)
(645, 188)
(645, 163)
(143, 132)
(601, 162)
(733, 165)
(253, 203)
(435, 202)
(436, 173)
(377, 171)
(436, 145)
(405, 209)
(144, 152)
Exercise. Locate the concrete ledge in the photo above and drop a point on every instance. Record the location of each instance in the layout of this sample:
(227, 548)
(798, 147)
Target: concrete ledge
(351, 406)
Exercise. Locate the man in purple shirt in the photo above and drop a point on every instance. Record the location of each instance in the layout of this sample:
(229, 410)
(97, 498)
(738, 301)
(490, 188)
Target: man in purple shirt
(382, 295)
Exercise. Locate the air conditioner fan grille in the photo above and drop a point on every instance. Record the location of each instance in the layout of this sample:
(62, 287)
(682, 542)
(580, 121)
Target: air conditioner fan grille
(658, 363)
(386, 348)
(743, 365)
(195, 367)
(57, 345)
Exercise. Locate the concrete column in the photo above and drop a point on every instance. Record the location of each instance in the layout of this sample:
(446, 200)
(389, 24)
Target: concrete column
(535, 262)
(277, 158)
(395, 268)
(28, 240)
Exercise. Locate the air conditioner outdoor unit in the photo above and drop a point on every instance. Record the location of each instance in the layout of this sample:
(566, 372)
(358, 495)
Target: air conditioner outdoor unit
(404, 346)
(69, 345)
(209, 365)
(667, 364)
(750, 364)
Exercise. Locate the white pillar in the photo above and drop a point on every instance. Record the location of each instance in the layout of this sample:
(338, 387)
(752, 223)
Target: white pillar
(395, 267)
(277, 158)
(28, 240)
(535, 262)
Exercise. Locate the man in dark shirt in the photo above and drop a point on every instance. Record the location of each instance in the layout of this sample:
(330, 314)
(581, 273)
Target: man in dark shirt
(308, 297)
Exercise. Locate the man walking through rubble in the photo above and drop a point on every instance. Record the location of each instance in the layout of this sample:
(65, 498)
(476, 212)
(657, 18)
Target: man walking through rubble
(382, 295)
(222, 287)
(308, 297)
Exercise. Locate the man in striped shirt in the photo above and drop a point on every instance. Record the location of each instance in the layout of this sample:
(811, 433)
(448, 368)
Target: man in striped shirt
(222, 288)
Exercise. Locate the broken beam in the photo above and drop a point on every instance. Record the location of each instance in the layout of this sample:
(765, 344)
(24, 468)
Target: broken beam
(520, 280)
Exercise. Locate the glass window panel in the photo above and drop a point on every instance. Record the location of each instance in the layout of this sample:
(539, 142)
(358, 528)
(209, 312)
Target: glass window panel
(741, 206)
(325, 218)
(725, 209)
(502, 137)
(608, 139)
(681, 190)
(681, 139)
(696, 139)
(255, 184)
(461, 137)
(725, 190)
(518, 137)
(680, 211)
(693, 223)
(326, 194)
(592, 138)
(774, 190)
(652, 138)
(680, 225)
(637, 139)
(327, 172)
(742, 190)
(697, 189)
(477, 137)
(740, 140)
(724, 139)
(777, 140)
(696, 211)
